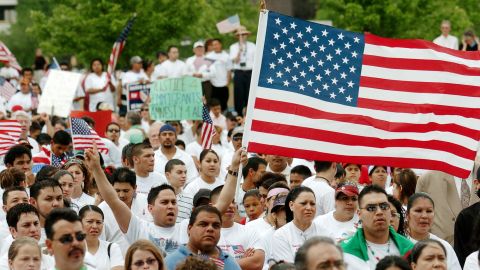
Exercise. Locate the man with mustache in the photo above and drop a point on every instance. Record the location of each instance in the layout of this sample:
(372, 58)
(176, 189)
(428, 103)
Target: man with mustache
(66, 239)
(376, 238)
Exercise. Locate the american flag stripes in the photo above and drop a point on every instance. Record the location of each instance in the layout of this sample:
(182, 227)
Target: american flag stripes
(12, 128)
(327, 94)
(208, 129)
(117, 49)
(7, 57)
(84, 136)
(6, 141)
(6, 89)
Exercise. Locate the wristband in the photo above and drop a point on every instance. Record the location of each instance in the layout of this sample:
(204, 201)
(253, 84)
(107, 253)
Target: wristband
(232, 173)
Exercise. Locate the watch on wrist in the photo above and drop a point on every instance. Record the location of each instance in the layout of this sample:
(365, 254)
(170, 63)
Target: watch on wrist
(234, 173)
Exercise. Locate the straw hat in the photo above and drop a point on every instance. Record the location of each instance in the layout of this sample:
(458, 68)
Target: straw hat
(242, 30)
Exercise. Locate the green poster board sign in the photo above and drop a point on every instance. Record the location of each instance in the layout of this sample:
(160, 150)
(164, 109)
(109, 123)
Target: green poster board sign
(176, 99)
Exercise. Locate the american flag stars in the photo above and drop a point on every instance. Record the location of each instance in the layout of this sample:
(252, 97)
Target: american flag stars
(312, 59)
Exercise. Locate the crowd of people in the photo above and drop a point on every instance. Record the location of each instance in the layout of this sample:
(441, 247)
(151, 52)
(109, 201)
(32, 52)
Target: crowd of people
(158, 200)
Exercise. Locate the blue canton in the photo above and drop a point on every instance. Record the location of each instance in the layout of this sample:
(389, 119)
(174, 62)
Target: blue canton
(311, 59)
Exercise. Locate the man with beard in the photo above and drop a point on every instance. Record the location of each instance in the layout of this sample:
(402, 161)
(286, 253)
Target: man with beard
(464, 226)
(66, 240)
(376, 238)
(169, 151)
(204, 234)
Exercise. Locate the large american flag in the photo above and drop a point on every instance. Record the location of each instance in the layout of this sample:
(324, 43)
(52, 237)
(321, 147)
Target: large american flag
(7, 90)
(84, 136)
(208, 129)
(326, 94)
(117, 49)
(7, 57)
(10, 131)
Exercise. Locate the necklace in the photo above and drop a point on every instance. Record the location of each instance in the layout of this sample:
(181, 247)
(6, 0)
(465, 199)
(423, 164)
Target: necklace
(323, 178)
(373, 252)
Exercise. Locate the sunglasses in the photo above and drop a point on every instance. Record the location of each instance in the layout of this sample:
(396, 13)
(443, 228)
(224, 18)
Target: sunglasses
(114, 130)
(373, 207)
(149, 261)
(68, 238)
(237, 138)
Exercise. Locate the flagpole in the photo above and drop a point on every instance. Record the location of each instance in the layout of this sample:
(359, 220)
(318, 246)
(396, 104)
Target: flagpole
(71, 129)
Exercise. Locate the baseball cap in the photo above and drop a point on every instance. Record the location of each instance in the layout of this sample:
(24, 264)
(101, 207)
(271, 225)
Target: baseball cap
(349, 189)
(198, 44)
(279, 202)
(17, 108)
(201, 194)
(237, 130)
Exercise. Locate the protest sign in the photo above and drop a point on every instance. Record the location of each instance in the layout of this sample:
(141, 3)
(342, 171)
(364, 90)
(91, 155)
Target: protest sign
(58, 94)
(137, 95)
(176, 99)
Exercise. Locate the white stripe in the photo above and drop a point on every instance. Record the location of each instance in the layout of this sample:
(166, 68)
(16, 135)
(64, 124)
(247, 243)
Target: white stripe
(394, 117)
(419, 98)
(421, 54)
(419, 75)
(359, 151)
(361, 130)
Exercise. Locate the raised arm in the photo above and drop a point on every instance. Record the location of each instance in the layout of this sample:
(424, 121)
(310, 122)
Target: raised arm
(120, 210)
(228, 192)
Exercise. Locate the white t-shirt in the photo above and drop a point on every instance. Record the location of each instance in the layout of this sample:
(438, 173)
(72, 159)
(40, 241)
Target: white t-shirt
(9, 72)
(380, 250)
(183, 229)
(111, 232)
(83, 200)
(447, 42)
(114, 156)
(335, 229)
(219, 69)
(169, 69)
(324, 194)
(96, 82)
(190, 68)
(471, 263)
(161, 160)
(247, 55)
(266, 241)
(199, 183)
(288, 239)
(102, 259)
(166, 239)
(24, 100)
(154, 179)
(194, 149)
(259, 225)
(452, 259)
(237, 239)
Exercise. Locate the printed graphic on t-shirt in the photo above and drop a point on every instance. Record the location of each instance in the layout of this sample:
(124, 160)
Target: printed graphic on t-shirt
(167, 245)
(236, 251)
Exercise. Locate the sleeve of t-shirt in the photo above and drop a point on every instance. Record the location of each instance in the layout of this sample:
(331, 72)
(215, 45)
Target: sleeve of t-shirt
(116, 257)
(255, 241)
(136, 229)
(281, 248)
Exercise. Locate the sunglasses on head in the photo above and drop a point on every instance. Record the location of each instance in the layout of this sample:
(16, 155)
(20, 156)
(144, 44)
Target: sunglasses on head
(149, 261)
(68, 238)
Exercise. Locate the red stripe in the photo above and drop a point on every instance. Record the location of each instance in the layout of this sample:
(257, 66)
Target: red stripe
(318, 134)
(419, 44)
(388, 161)
(419, 64)
(421, 87)
(297, 109)
(391, 106)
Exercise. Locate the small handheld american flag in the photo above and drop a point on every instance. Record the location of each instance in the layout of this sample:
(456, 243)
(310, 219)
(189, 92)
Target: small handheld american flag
(84, 136)
(7, 57)
(208, 129)
(117, 49)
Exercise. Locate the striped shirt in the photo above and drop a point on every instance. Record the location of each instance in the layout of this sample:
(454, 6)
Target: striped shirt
(185, 205)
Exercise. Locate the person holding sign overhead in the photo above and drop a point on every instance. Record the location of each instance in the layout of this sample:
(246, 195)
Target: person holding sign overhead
(134, 75)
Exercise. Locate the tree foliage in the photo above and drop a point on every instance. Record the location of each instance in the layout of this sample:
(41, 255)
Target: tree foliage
(401, 18)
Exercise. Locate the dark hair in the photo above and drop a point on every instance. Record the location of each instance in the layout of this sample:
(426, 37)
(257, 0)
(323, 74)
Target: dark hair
(26, 69)
(370, 189)
(203, 208)
(196, 263)
(268, 179)
(16, 152)
(139, 147)
(88, 120)
(171, 47)
(376, 166)
(11, 177)
(204, 153)
(127, 153)
(214, 102)
(253, 163)
(13, 215)
(87, 208)
(112, 124)
(35, 126)
(469, 33)
(172, 163)
(302, 170)
(11, 189)
(292, 196)
(60, 173)
(395, 261)
(180, 142)
(340, 171)
(86, 173)
(161, 53)
(46, 172)
(251, 193)
(124, 175)
(415, 197)
(408, 181)
(62, 137)
(44, 138)
(93, 61)
(301, 260)
(421, 245)
(153, 193)
(39, 186)
(321, 166)
(399, 208)
(56, 215)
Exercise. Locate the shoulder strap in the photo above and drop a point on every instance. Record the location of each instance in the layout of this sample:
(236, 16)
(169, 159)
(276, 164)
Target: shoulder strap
(108, 249)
